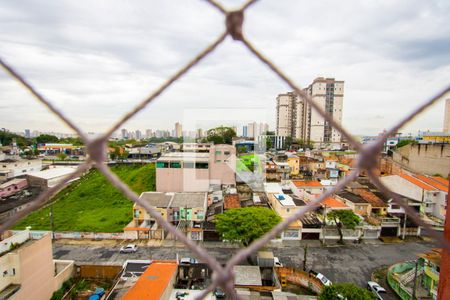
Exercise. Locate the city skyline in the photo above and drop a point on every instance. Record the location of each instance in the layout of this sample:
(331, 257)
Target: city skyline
(111, 66)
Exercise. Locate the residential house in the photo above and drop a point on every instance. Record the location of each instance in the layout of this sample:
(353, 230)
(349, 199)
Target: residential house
(11, 168)
(331, 203)
(271, 171)
(422, 188)
(313, 187)
(157, 282)
(294, 164)
(187, 211)
(285, 207)
(13, 186)
(28, 268)
(358, 204)
(196, 172)
(283, 169)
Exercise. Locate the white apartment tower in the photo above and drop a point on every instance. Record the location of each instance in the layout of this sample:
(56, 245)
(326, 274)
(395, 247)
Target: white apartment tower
(296, 118)
(447, 116)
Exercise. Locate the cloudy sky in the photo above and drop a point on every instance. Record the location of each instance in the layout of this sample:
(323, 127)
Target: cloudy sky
(97, 59)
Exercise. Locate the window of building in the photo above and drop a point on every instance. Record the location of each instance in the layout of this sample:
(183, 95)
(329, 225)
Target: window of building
(175, 164)
(218, 152)
(162, 164)
(291, 233)
(227, 153)
(189, 165)
(218, 161)
(201, 165)
(394, 206)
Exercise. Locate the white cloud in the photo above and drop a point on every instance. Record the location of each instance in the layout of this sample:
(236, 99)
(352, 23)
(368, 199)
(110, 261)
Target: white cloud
(97, 61)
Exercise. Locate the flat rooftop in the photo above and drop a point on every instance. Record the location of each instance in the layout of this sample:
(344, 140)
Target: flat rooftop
(284, 199)
(53, 173)
(184, 156)
(247, 275)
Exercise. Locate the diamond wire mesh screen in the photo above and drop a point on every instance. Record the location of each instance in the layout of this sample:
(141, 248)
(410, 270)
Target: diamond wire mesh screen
(223, 276)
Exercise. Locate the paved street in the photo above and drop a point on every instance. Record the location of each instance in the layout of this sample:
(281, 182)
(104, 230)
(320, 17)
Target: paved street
(349, 263)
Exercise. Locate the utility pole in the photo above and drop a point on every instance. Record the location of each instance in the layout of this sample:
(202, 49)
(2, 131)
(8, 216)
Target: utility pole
(444, 274)
(404, 222)
(52, 225)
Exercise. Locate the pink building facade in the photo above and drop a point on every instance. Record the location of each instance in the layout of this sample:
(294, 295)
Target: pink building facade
(13, 186)
(196, 172)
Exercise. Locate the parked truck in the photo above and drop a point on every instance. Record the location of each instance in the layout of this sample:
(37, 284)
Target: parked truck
(266, 259)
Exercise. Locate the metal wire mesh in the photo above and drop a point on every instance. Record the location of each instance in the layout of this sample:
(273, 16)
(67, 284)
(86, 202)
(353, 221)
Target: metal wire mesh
(223, 276)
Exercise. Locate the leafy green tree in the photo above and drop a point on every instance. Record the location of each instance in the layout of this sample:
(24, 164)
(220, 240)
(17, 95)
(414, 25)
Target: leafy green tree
(244, 225)
(269, 143)
(221, 135)
(347, 291)
(287, 142)
(62, 156)
(47, 138)
(344, 218)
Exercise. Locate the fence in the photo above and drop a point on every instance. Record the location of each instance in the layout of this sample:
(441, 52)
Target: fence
(393, 278)
(96, 149)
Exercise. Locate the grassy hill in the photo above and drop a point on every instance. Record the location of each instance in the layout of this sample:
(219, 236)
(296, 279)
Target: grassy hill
(92, 203)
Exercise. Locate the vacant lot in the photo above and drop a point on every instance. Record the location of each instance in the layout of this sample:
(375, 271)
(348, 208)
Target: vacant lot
(92, 203)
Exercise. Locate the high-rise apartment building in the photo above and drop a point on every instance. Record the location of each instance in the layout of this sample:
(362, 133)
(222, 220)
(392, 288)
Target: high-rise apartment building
(148, 133)
(447, 116)
(138, 135)
(27, 133)
(124, 134)
(178, 130)
(297, 119)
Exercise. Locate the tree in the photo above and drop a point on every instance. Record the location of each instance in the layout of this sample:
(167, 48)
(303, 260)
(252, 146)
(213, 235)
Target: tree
(62, 156)
(344, 218)
(46, 138)
(269, 143)
(244, 225)
(287, 142)
(221, 135)
(347, 291)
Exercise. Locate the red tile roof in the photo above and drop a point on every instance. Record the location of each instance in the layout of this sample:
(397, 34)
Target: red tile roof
(307, 183)
(417, 182)
(441, 180)
(153, 282)
(432, 182)
(334, 203)
(231, 201)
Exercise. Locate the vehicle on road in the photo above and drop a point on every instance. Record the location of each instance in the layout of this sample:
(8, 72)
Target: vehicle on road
(376, 289)
(188, 261)
(130, 248)
(321, 277)
(219, 293)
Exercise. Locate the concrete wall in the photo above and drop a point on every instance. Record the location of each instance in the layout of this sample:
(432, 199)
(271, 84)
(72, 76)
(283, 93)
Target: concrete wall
(64, 274)
(429, 159)
(36, 270)
(182, 180)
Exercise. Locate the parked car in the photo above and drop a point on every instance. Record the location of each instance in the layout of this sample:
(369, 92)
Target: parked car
(188, 261)
(219, 293)
(321, 277)
(376, 289)
(130, 248)
(277, 262)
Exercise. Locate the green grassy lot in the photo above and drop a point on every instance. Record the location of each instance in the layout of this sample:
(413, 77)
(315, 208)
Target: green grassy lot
(92, 203)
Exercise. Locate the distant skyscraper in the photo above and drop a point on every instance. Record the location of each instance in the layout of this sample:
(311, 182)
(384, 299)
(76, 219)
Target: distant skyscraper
(178, 130)
(244, 131)
(447, 116)
(124, 134)
(138, 134)
(27, 133)
(148, 134)
(296, 118)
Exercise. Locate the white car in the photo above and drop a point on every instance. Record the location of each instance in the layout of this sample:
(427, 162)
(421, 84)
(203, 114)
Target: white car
(188, 261)
(376, 289)
(321, 277)
(130, 248)
(277, 262)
